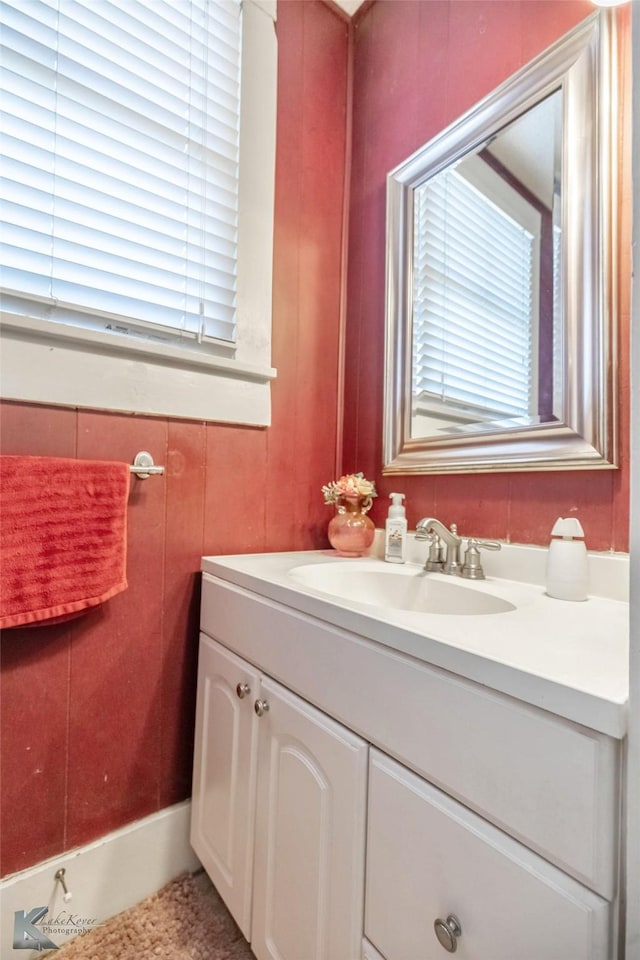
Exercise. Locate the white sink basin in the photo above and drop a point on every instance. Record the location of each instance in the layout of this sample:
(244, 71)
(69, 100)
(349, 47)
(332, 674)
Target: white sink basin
(407, 587)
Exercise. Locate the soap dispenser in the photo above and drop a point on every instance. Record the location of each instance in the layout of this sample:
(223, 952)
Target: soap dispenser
(567, 563)
(395, 530)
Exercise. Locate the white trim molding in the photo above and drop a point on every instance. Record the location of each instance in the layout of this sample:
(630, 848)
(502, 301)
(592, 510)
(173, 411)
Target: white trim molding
(104, 878)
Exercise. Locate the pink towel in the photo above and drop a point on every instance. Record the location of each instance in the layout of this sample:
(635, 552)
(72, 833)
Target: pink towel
(63, 536)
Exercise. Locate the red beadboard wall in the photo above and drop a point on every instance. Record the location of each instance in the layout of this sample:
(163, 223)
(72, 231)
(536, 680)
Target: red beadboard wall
(97, 716)
(418, 66)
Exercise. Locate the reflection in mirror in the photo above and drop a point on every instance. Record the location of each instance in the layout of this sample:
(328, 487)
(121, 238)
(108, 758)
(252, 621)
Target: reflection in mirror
(486, 317)
(500, 328)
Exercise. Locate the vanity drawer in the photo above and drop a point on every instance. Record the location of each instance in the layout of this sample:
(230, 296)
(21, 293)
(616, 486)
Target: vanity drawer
(429, 858)
(546, 781)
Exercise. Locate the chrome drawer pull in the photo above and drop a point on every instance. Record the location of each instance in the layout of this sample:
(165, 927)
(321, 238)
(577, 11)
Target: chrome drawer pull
(261, 707)
(447, 932)
(243, 690)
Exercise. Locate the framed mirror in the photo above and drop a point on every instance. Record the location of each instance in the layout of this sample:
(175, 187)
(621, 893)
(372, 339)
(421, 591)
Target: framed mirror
(500, 346)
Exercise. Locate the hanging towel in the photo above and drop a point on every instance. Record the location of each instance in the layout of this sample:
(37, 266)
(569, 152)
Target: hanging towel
(63, 536)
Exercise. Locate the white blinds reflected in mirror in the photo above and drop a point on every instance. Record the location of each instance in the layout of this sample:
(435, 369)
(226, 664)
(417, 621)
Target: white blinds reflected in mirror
(483, 290)
(472, 306)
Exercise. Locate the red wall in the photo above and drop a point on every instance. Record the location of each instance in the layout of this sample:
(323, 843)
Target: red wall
(419, 64)
(97, 716)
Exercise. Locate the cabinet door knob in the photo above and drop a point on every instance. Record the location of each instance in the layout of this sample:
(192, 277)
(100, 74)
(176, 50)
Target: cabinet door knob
(261, 707)
(447, 932)
(243, 690)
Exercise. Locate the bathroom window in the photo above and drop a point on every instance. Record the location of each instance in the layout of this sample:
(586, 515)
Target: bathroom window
(139, 143)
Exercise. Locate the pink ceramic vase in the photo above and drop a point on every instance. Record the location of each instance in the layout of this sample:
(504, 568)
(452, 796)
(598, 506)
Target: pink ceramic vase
(351, 531)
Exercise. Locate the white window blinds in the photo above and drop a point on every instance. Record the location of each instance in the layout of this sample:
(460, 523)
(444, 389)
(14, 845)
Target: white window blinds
(472, 301)
(120, 164)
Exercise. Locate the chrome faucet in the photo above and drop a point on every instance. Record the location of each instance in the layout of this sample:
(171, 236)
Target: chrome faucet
(429, 527)
(434, 531)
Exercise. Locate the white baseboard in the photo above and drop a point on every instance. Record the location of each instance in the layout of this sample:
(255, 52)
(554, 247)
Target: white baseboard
(104, 877)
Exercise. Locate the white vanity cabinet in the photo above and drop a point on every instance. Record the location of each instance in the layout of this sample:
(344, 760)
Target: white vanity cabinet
(491, 824)
(278, 812)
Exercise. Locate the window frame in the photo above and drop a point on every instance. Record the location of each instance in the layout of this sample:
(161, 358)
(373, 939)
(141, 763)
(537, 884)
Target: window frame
(45, 362)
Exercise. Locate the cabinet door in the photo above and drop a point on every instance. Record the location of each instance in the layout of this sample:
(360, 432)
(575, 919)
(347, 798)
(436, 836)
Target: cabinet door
(310, 831)
(224, 773)
(429, 858)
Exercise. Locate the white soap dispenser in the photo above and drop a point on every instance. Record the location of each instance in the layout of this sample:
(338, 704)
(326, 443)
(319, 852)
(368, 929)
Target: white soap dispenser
(567, 563)
(395, 530)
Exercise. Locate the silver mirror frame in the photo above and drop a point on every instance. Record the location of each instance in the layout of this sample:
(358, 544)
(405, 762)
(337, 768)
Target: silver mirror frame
(584, 65)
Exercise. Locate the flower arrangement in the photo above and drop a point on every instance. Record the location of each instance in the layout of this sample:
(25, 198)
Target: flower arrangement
(350, 485)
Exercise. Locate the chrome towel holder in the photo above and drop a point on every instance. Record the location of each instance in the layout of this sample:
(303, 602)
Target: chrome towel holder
(143, 466)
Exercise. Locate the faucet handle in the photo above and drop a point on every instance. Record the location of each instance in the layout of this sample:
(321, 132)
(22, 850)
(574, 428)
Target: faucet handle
(486, 544)
(472, 567)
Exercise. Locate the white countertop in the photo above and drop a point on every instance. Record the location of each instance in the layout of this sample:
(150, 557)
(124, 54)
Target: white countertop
(569, 658)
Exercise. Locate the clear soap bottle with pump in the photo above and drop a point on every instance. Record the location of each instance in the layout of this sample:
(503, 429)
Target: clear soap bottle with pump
(567, 562)
(395, 531)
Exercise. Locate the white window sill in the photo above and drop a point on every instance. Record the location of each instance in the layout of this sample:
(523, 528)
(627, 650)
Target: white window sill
(43, 362)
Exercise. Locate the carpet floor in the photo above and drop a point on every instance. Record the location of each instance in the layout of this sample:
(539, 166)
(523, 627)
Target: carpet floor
(186, 920)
